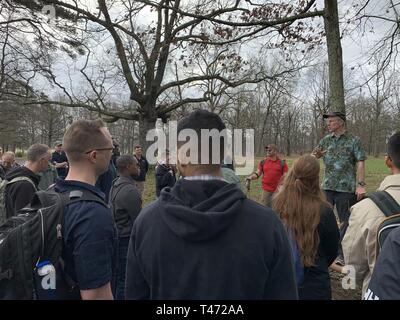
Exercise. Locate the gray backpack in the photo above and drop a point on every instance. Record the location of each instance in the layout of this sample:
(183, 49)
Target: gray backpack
(3, 184)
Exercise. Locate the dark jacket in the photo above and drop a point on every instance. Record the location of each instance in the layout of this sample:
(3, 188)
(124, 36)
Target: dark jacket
(60, 158)
(317, 283)
(126, 204)
(385, 280)
(104, 182)
(165, 177)
(19, 194)
(206, 240)
(144, 167)
(89, 236)
(2, 172)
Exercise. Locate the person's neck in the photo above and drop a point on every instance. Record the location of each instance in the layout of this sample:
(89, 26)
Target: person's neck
(273, 158)
(339, 132)
(32, 166)
(395, 171)
(82, 174)
(138, 156)
(124, 175)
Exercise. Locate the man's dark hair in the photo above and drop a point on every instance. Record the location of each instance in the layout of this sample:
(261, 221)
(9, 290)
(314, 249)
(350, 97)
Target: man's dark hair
(203, 119)
(394, 149)
(137, 147)
(124, 161)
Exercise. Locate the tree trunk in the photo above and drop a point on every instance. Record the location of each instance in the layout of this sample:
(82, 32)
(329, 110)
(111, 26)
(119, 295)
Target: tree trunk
(336, 87)
(145, 124)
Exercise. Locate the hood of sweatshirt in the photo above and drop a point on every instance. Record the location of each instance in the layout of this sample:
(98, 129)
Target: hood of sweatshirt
(199, 210)
(22, 172)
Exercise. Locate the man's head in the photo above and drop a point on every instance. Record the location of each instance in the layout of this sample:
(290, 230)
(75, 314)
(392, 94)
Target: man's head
(271, 150)
(88, 144)
(8, 159)
(138, 151)
(393, 153)
(38, 157)
(335, 121)
(58, 146)
(127, 165)
(196, 121)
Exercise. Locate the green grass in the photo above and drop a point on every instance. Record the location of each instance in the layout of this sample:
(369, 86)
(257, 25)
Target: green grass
(376, 171)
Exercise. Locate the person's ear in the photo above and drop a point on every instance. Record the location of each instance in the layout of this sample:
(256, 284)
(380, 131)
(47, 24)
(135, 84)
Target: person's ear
(93, 156)
(389, 162)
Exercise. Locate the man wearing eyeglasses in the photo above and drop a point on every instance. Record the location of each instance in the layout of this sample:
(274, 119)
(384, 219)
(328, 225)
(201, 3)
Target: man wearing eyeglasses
(343, 156)
(273, 169)
(89, 234)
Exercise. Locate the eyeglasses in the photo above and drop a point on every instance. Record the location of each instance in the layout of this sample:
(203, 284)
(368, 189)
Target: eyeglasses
(100, 149)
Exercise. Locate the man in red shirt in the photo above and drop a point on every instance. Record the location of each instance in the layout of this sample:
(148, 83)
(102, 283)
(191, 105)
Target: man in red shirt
(272, 169)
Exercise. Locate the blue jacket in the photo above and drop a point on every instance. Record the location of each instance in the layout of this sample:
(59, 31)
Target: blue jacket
(385, 280)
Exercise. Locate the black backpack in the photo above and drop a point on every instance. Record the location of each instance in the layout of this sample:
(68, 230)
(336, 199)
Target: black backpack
(31, 244)
(391, 209)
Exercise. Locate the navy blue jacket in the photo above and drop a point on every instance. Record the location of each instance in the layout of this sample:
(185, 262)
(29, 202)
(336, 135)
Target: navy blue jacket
(206, 240)
(90, 238)
(385, 281)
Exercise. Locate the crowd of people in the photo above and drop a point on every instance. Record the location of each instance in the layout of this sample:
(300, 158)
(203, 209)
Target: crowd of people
(203, 238)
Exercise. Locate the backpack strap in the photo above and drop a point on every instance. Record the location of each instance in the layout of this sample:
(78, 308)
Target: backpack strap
(385, 203)
(282, 163)
(23, 178)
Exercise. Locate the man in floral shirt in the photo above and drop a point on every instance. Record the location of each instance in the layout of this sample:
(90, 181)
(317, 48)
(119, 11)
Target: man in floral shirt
(343, 156)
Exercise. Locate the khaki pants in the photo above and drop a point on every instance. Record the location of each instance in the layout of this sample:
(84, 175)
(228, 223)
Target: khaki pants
(266, 198)
(140, 186)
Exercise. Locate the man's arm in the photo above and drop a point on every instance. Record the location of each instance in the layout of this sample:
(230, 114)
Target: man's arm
(255, 175)
(131, 201)
(358, 242)
(102, 293)
(360, 191)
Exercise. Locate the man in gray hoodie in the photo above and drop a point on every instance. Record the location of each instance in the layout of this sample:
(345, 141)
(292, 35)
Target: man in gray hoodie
(126, 204)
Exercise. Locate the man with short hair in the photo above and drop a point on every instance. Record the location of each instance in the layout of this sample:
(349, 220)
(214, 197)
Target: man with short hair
(143, 168)
(126, 204)
(59, 160)
(341, 153)
(203, 239)
(89, 235)
(273, 170)
(8, 161)
(359, 243)
(23, 181)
